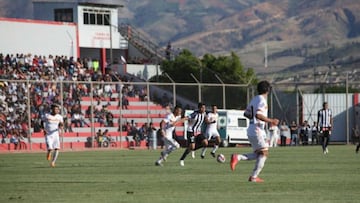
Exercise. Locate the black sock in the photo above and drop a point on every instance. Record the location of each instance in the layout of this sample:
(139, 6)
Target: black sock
(186, 152)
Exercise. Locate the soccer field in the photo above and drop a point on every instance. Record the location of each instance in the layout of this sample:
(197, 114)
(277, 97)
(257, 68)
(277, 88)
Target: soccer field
(292, 174)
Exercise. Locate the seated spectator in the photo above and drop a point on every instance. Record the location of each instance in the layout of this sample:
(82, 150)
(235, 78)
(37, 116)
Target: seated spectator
(143, 131)
(143, 94)
(109, 119)
(99, 137)
(88, 112)
(106, 135)
(108, 90)
(78, 120)
(100, 116)
(15, 140)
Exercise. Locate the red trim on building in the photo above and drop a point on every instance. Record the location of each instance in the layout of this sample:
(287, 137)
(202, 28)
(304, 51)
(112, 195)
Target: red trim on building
(356, 99)
(21, 20)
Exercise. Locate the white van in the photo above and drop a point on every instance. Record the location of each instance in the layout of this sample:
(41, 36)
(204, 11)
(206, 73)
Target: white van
(232, 126)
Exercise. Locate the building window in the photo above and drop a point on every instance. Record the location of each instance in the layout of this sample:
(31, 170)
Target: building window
(86, 18)
(96, 17)
(64, 15)
(99, 19)
(92, 18)
(106, 19)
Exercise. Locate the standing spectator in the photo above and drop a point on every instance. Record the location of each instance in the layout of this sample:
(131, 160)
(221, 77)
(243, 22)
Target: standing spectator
(151, 135)
(356, 136)
(143, 131)
(53, 127)
(274, 135)
(293, 133)
(283, 132)
(325, 123)
(257, 112)
(314, 134)
(304, 133)
(124, 102)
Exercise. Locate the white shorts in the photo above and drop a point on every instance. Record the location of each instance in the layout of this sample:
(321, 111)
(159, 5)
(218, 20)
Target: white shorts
(212, 134)
(170, 143)
(52, 141)
(258, 141)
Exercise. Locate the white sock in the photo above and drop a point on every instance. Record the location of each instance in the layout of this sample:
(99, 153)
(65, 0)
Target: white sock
(260, 162)
(203, 151)
(215, 148)
(55, 155)
(160, 160)
(249, 156)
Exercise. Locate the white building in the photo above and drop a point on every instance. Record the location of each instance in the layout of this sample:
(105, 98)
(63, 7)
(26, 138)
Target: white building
(69, 28)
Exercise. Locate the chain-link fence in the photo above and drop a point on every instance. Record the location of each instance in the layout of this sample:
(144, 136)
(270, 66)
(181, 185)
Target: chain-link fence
(92, 107)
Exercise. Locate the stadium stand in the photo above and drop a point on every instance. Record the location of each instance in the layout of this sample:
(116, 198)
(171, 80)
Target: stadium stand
(30, 78)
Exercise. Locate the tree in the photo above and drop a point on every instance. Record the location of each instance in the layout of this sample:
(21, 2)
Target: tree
(228, 68)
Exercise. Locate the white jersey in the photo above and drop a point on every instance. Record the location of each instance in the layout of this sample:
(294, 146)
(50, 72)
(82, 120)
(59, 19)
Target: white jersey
(211, 118)
(212, 128)
(169, 127)
(259, 106)
(52, 123)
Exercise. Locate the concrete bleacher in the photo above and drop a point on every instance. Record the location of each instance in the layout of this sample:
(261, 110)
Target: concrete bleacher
(82, 137)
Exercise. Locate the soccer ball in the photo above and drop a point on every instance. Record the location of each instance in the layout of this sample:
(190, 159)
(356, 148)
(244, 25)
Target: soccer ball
(220, 158)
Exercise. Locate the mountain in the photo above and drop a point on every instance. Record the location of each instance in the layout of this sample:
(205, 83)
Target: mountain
(298, 34)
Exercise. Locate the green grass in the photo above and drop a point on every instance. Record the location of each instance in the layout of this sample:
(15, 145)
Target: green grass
(292, 174)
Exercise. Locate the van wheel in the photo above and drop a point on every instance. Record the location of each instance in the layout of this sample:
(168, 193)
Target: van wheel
(225, 143)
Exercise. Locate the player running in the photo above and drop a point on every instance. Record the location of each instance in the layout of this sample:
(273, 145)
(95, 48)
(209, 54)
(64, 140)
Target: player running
(195, 138)
(212, 130)
(167, 126)
(257, 112)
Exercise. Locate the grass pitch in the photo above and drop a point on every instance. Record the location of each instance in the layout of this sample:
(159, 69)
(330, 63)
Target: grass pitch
(292, 174)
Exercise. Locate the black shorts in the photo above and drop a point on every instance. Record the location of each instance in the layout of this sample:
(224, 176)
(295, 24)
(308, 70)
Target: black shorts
(325, 132)
(194, 139)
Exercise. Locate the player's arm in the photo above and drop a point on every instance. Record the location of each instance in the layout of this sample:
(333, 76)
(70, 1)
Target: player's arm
(162, 127)
(208, 121)
(261, 117)
(61, 125)
(331, 121)
(42, 126)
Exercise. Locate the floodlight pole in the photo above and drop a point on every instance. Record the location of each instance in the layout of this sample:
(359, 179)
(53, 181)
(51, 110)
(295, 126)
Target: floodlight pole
(223, 86)
(174, 86)
(199, 87)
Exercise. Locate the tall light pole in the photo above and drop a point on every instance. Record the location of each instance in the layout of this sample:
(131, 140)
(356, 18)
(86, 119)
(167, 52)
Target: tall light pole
(111, 48)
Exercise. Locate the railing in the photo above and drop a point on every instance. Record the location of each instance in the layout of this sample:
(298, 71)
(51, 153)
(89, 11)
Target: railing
(140, 41)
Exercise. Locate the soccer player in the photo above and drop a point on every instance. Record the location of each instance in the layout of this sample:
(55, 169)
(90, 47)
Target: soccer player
(212, 130)
(195, 138)
(52, 128)
(167, 126)
(325, 123)
(257, 112)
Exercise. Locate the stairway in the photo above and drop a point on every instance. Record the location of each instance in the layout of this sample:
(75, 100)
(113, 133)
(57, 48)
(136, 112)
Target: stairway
(142, 43)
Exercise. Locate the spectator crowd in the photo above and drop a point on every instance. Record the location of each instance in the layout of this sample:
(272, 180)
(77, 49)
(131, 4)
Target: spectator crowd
(35, 79)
